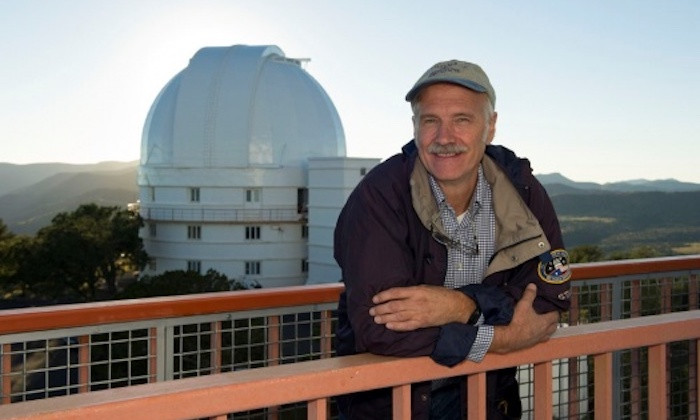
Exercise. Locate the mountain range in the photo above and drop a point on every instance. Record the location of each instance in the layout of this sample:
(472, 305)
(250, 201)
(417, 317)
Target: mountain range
(614, 215)
(557, 183)
(31, 195)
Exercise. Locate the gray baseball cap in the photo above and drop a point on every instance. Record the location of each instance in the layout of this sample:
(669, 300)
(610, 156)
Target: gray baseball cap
(469, 75)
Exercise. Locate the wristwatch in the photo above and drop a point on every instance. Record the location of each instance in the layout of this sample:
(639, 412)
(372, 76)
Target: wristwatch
(474, 318)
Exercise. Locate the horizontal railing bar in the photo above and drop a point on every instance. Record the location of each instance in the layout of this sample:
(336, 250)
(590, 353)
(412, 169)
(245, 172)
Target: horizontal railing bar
(603, 337)
(163, 322)
(605, 269)
(313, 380)
(99, 313)
(116, 311)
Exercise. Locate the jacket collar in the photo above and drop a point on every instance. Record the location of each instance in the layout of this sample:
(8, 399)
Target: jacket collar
(519, 236)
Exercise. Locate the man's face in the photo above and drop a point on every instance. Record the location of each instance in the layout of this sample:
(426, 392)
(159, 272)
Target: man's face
(452, 128)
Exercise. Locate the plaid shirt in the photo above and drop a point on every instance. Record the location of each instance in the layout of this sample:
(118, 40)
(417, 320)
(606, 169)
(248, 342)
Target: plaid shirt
(472, 241)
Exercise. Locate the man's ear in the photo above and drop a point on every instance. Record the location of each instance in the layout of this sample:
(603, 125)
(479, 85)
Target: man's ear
(492, 127)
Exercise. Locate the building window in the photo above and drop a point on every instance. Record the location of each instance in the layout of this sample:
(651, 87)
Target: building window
(252, 267)
(252, 232)
(302, 200)
(304, 231)
(152, 231)
(153, 193)
(194, 232)
(194, 195)
(363, 171)
(195, 266)
(152, 264)
(305, 265)
(252, 195)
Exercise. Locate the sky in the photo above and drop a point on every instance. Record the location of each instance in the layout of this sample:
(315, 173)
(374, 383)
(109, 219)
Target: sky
(598, 91)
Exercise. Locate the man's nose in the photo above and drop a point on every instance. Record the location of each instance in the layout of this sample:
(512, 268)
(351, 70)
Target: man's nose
(444, 133)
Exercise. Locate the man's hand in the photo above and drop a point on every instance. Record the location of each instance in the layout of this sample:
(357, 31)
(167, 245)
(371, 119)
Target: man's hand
(413, 307)
(527, 327)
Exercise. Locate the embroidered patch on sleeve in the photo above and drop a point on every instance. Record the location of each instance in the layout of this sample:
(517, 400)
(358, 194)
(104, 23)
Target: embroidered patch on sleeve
(554, 267)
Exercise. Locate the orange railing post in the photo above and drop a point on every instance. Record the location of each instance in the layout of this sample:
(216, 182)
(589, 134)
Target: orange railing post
(401, 400)
(6, 388)
(573, 369)
(326, 334)
(635, 359)
(476, 400)
(658, 392)
(543, 390)
(274, 351)
(216, 346)
(603, 394)
(694, 350)
(152, 355)
(605, 302)
(697, 375)
(317, 409)
(84, 363)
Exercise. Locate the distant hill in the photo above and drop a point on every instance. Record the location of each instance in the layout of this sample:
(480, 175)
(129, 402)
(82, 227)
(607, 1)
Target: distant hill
(559, 184)
(14, 176)
(618, 221)
(614, 216)
(27, 209)
(618, 216)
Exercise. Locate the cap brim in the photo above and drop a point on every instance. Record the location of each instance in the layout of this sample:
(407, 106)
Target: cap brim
(471, 85)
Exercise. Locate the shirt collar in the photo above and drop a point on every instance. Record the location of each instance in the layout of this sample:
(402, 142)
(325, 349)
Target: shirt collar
(477, 198)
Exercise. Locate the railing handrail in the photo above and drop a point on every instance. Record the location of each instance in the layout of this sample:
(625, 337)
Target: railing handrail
(131, 310)
(608, 269)
(319, 379)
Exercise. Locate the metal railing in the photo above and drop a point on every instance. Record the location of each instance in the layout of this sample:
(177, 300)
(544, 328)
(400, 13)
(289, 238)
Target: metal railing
(74, 349)
(220, 215)
(315, 382)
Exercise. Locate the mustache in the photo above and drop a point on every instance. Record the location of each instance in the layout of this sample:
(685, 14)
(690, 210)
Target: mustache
(447, 148)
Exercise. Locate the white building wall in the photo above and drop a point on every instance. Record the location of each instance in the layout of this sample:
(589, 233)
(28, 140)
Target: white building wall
(222, 215)
(331, 180)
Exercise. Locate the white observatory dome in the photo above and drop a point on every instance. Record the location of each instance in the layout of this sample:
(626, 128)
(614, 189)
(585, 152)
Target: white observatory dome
(226, 157)
(241, 106)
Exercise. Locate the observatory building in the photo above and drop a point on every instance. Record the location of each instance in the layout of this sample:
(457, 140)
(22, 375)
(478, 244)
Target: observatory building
(243, 170)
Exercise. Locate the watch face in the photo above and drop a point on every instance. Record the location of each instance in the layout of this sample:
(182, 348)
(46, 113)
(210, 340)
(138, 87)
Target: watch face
(474, 318)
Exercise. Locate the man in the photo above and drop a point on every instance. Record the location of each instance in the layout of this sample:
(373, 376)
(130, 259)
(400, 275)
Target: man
(449, 250)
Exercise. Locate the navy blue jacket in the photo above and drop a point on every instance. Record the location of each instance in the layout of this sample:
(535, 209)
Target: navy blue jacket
(381, 241)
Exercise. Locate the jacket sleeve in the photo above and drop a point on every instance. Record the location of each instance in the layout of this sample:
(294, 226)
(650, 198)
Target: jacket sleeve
(372, 250)
(496, 306)
(553, 285)
(553, 292)
(456, 340)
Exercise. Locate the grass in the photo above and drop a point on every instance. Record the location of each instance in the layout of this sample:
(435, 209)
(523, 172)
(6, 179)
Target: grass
(587, 219)
(688, 249)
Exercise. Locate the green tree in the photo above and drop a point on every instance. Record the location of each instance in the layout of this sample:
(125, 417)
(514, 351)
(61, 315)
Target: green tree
(17, 255)
(179, 282)
(89, 248)
(15, 250)
(7, 262)
(4, 232)
(644, 251)
(6, 268)
(586, 253)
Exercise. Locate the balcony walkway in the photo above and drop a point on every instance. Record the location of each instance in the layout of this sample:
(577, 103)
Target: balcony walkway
(631, 352)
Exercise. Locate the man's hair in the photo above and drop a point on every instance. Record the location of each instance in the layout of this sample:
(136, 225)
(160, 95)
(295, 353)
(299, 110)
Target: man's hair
(488, 106)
